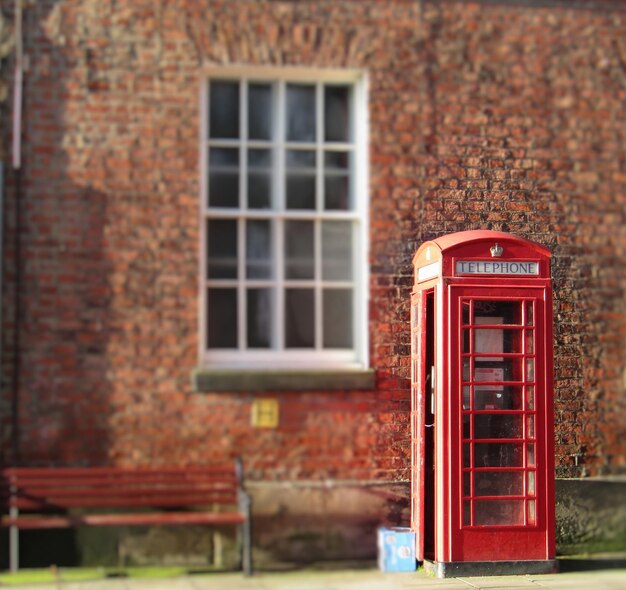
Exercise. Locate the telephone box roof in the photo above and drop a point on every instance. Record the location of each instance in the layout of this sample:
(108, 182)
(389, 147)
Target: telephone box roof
(451, 241)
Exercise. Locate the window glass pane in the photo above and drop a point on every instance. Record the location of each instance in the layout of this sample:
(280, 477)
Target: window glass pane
(510, 312)
(258, 249)
(299, 250)
(466, 340)
(532, 516)
(301, 112)
(466, 395)
(530, 397)
(466, 312)
(467, 483)
(300, 191)
(530, 427)
(337, 328)
(260, 111)
(221, 249)
(336, 181)
(259, 321)
(498, 397)
(491, 369)
(467, 513)
(530, 342)
(336, 251)
(223, 177)
(259, 178)
(498, 512)
(498, 483)
(299, 318)
(530, 369)
(531, 483)
(224, 110)
(530, 454)
(259, 190)
(223, 189)
(493, 341)
(301, 179)
(260, 160)
(466, 455)
(222, 318)
(336, 161)
(530, 320)
(337, 113)
(498, 455)
(498, 426)
(301, 161)
(224, 158)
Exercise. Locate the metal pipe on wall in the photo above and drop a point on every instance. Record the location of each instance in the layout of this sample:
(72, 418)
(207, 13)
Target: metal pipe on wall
(17, 167)
(1, 288)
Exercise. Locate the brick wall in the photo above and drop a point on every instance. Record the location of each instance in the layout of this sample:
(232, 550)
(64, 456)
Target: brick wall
(482, 115)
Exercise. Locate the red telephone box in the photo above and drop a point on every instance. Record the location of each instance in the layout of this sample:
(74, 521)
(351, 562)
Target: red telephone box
(482, 494)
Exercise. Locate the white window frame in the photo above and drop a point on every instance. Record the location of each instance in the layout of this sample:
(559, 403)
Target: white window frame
(280, 358)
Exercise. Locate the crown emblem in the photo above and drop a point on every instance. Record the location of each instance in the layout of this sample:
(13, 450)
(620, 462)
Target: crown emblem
(496, 250)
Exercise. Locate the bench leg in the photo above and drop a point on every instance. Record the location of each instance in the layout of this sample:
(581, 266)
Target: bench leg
(14, 549)
(246, 534)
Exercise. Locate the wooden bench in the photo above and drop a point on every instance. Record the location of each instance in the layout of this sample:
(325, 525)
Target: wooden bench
(60, 497)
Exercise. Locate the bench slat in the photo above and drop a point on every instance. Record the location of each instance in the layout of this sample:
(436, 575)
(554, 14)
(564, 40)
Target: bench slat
(147, 500)
(124, 479)
(91, 471)
(121, 488)
(149, 519)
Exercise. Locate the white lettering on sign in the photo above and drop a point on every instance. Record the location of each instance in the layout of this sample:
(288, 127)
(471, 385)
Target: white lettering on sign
(496, 267)
(428, 272)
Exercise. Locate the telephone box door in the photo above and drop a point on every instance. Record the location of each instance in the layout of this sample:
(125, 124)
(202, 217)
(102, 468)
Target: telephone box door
(503, 417)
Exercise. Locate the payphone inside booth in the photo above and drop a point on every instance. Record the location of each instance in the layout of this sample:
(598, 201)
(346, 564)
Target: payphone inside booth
(482, 468)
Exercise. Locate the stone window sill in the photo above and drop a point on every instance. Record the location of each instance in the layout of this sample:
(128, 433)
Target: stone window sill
(233, 380)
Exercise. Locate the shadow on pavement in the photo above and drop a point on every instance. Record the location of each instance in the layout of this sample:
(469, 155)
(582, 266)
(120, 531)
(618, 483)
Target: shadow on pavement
(580, 564)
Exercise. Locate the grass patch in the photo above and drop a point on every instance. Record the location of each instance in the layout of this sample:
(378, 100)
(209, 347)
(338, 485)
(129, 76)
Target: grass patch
(40, 576)
(51, 575)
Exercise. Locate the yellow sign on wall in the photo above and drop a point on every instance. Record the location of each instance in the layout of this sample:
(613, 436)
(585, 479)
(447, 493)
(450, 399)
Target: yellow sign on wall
(265, 413)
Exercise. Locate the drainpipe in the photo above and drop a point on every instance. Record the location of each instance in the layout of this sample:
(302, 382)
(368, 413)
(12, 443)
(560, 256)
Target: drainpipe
(17, 167)
(2, 331)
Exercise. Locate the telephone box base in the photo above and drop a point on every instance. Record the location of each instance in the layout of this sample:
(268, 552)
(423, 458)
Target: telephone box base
(457, 569)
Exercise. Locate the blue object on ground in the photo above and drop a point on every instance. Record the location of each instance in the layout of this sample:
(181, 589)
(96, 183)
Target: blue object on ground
(396, 549)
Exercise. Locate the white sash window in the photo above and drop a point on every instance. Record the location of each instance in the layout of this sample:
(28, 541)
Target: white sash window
(284, 213)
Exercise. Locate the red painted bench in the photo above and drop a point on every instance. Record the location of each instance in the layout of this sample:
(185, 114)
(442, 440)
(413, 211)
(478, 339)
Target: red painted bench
(62, 497)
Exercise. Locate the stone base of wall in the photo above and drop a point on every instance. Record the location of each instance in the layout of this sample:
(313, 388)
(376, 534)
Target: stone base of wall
(299, 523)
(590, 515)
(313, 522)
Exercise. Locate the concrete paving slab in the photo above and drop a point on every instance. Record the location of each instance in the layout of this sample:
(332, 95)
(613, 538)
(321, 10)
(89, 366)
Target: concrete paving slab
(352, 580)
(588, 580)
(496, 582)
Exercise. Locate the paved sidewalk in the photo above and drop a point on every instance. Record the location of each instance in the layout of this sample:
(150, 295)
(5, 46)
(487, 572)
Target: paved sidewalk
(603, 579)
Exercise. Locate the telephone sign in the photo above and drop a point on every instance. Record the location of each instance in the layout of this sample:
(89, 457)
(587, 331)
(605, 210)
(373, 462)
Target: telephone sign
(494, 267)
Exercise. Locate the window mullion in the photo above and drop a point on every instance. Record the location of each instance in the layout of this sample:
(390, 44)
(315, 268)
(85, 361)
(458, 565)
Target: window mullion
(241, 290)
(318, 281)
(243, 146)
(319, 200)
(279, 206)
(278, 329)
(319, 153)
(241, 223)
